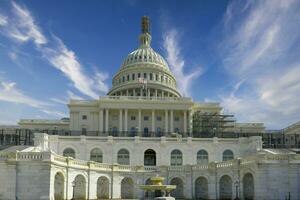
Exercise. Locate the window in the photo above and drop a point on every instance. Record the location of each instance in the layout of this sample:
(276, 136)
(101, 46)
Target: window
(114, 117)
(202, 157)
(132, 118)
(83, 130)
(176, 158)
(132, 131)
(123, 78)
(84, 117)
(128, 77)
(114, 131)
(146, 131)
(139, 75)
(133, 77)
(176, 130)
(123, 157)
(96, 155)
(156, 77)
(145, 75)
(158, 118)
(149, 158)
(176, 118)
(151, 76)
(69, 152)
(146, 118)
(228, 155)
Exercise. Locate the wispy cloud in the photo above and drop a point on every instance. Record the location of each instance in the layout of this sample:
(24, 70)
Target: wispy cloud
(10, 93)
(3, 20)
(261, 47)
(22, 27)
(176, 62)
(54, 113)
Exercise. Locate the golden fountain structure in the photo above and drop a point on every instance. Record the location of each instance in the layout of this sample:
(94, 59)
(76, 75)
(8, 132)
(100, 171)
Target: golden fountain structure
(158, 187)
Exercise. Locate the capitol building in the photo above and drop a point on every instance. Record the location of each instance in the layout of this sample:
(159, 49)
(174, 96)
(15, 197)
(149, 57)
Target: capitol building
(144, 128)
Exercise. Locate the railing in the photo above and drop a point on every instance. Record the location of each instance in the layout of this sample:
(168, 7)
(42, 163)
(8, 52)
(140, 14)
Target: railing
(26, 136)
(180, 99)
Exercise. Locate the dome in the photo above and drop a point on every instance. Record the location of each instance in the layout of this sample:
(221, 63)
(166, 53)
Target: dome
(145, 55)
(144, 72)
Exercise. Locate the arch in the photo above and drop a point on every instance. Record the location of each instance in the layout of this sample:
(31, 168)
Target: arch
(225, 187)
(149, 157)
(96, 155)
(123, 157)
(178, 192)
(103, 188)
(149, 194)
(248, 186)
(59, 186)
(127, 188)
(79, 187)
(201, 188)
(69, 152)
(202, 157)
(176, 158)
(228, 155)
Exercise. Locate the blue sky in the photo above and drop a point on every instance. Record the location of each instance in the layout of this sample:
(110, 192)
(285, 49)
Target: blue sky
(243, 54)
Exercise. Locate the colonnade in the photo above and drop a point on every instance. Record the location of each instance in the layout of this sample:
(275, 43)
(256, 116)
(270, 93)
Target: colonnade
(123, 123)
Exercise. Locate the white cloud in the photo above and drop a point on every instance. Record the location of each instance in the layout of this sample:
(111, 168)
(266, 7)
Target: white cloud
(176, 62)
(3, 20)
(71, 95)
(54, 113)
(10, 93)
(22, 27)
(60, 101)
(261, 47)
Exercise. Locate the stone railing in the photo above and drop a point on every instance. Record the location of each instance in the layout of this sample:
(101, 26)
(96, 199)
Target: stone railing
(172, 99)
(81, 164)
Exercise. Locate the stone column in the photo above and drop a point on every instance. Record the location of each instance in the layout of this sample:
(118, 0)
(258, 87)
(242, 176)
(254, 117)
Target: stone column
(126, 120)
(120, 120)
(155, 92)
(127, 93)
(171, 122)
(190, 122)
(140, 121)
(166, 121)
(133, 91)
(153, 121)
(106, 119)
(101, 128)
(184, 122)
(141, 92)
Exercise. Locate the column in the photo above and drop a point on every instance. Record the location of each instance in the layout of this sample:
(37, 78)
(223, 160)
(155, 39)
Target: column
(166, 121)
(162, 94)
(184, 122)
(101, 128)
(190, 122)
(133, 91)
(106, 119)
(141, 92)
(127, 93)
(171, 122)
(148, 92)
(155, 92)
(153, 121)
(140, 121)
(126, 120)
(120, 120)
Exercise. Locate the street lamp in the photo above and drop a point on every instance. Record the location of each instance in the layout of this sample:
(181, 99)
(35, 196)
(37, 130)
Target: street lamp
(236, 183)
(73, 185)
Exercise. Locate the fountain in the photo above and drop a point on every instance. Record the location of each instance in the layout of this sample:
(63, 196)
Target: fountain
(162, 192)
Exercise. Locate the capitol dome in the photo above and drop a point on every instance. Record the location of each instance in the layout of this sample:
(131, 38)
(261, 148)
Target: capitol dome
(144, 72)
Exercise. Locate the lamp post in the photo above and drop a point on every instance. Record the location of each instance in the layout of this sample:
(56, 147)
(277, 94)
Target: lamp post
(236, 183)
(73, 186)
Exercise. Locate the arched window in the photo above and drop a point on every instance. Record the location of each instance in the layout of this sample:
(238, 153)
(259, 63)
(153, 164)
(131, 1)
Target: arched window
(225, 187)
(69, 152)
(202, 157)
(127, 188)
(103, 188)
(149, 158)
(248, 186)
(79, 187)
(96, 155)
(123, 157)
(59, 183)
(201, 188)
(228, 155)
(178, 192)
(176, 158)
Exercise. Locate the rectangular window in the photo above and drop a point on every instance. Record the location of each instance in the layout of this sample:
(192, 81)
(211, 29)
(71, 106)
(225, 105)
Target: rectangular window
(83, 131)
(132, 118)
(145, 75)
(146, 118)
(84, 117)
(128, 77)
(156, 77)
(123, 79)
(133, 77)
(139, 75)
(158, 118)
(151, 76)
